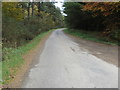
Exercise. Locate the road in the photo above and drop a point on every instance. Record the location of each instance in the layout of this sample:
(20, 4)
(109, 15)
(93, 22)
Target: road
(63, 64)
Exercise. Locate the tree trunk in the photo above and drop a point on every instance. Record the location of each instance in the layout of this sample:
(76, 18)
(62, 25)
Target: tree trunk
(28, 10)
(39, 8)
(33, 8)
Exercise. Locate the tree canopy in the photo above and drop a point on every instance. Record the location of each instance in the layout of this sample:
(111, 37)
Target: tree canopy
(94, 16)
(22, 21)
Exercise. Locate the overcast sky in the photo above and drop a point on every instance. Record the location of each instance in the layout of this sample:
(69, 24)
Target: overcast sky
(60, 5)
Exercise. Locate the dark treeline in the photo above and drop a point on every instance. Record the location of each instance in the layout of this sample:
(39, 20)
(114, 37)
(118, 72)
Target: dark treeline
(22, 21)
(102, 17)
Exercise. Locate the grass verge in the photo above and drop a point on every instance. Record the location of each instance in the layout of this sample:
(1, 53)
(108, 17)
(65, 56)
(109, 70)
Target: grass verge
(13, 59)
(93, 36)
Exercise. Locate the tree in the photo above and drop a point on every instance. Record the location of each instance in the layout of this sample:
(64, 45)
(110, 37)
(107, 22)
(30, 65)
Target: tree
(11, 9)
(110, 11)
(102, 17)
(76, 17)
(22, 21)
(28, 10)
(33, 8)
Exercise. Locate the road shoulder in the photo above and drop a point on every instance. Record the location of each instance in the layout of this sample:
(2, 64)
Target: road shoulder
(30, 59)
(108, 53)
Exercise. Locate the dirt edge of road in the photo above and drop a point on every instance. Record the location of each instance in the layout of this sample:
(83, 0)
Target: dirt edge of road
(108, 53)
(29, 58)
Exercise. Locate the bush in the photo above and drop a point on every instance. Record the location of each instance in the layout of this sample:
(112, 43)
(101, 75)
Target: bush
(18, 33)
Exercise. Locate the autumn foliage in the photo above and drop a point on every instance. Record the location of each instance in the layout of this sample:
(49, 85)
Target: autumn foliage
(109, 10)
(23, 21)
(103, 17)
(105, 8)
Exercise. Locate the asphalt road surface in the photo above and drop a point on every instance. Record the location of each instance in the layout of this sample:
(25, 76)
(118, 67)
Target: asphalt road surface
(63, 64)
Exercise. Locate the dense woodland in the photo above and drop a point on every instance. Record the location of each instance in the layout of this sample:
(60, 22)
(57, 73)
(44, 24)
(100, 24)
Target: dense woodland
(100, 17)
(22, 21)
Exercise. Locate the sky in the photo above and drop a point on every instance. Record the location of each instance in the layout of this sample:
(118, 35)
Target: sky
(60, 5)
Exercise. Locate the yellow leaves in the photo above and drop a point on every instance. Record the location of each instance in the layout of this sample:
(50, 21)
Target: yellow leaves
(11, 9)
(105, 8)
(35, 8)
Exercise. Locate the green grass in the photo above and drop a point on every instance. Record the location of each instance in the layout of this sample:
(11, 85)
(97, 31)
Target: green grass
(93, 36)
(13, 58)
(0, 72)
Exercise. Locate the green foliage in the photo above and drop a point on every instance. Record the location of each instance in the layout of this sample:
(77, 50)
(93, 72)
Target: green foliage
(13, 32)
(93, 36)
(11, 9)
(12, 58)
(21, 24)
(94, 17)
(79, 19)
(72, 18)
(18, 29)
(49, 7)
